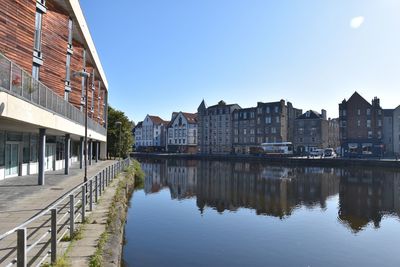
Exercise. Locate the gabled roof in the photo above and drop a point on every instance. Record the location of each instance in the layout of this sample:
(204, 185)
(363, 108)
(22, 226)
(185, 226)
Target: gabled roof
(310, 114)
(157, 120)
(140, 123)
(190, 117)
(356, 96)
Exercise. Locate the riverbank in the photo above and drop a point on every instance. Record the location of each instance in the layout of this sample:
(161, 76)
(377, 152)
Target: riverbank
(294, 161)
(101, 237)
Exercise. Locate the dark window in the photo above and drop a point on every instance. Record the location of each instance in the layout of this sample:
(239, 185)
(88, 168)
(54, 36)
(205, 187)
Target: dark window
(38, 30)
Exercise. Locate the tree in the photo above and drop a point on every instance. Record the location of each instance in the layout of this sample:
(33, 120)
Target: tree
(113, 132)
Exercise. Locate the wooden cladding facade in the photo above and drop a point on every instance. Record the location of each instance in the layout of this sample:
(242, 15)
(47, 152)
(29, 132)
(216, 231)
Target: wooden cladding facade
(17, 30)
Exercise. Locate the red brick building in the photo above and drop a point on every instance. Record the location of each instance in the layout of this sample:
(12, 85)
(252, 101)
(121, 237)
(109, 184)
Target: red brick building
(361, 127)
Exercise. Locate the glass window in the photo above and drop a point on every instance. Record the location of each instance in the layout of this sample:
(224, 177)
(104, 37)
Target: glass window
(33, 147)
(25, 148)
(68, 68)
(38, 30)
(35, 71)
(70, 32)
(2, 148)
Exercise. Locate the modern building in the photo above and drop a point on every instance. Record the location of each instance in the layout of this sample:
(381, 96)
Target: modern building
(151, 134)
(215, 128)
(43, 44)
(270, 122)
(361, 127)
(313, 130)
(182, 133)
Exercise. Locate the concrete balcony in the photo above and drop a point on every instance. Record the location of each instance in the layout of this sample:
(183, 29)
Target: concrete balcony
(26, 100)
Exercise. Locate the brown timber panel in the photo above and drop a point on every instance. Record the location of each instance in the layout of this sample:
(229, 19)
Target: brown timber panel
(54, 48)
(17, 24)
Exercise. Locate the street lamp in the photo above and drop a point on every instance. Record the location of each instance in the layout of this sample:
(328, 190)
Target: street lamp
(85, 75)
(118, 123)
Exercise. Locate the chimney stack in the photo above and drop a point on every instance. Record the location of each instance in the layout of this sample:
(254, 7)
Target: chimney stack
(323, 113)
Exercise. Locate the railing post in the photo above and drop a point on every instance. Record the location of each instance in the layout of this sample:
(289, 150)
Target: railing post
(100, 178)
(83, 203)
(104, 176)
(71, 216)
(91, 195)
(53, 235)
(96, 188)
(21, 248)
(11, 68)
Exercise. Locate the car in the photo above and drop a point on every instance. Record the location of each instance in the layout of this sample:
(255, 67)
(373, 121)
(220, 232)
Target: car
(317, 152)
(329, 153)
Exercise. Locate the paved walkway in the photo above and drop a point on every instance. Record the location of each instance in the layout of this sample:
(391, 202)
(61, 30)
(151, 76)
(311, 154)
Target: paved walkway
(21, 198)
(83, 249)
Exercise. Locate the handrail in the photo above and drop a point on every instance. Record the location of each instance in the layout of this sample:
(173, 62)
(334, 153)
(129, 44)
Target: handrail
(15, 80)
(65, 221)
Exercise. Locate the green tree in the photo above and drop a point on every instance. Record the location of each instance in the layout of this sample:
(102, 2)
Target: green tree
(113, 132)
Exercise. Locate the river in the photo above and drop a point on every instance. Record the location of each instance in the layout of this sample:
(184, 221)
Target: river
(222, 213)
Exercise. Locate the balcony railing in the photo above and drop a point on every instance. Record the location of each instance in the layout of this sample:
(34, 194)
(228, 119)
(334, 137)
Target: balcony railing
(20, 84)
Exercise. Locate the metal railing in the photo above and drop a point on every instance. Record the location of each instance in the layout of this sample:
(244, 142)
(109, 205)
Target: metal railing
(19, 83)
(31, 243)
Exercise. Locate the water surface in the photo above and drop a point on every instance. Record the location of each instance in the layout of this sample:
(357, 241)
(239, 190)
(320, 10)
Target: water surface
(214, 213)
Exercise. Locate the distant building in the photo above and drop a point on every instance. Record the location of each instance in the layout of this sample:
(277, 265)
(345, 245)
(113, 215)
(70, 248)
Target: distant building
(151, 134)
(267, 123)
(361, 127)
(214, 128)
(182, 133)
(137, 133)
(388, 131)
(396, 130)
(313, 130)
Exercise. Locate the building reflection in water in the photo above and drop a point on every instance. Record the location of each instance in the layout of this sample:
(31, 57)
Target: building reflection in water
(364, 195)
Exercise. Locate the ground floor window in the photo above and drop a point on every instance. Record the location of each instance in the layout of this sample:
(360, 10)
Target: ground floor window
(353, 148)
(2, 148)
(367, 148)
(34, 147)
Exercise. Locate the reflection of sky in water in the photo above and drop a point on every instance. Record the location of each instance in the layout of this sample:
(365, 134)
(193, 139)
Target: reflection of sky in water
(310, 218)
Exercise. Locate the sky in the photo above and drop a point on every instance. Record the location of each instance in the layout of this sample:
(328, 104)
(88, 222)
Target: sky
(161, 56)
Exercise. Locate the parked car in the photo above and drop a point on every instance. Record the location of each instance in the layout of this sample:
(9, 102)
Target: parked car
(329, 153)
(317, 152)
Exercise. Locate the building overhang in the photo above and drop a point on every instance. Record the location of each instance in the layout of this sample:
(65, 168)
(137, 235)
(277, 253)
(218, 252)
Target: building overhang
(22, 116)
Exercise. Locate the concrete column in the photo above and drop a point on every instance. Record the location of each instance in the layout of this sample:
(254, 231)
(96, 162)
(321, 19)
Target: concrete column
(103, 150)
(41, 155)
(97, 151)
(90, 154)
(81, 151)
(67, 149)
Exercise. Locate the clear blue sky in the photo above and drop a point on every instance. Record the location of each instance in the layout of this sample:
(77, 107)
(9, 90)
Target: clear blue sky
(167, 55)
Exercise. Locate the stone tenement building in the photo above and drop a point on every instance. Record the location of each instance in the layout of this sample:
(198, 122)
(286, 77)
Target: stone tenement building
(215, 128)
(314, 130)
(267, 123)
(391, 131)
(361, 127)
(151, 132)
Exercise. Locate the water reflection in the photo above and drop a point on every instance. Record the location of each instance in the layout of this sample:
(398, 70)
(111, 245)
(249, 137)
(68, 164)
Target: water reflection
(364, 195)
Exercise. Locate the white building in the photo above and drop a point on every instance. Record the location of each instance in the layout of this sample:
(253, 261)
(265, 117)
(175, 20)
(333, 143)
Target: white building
(151, 133)
(182, 132)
